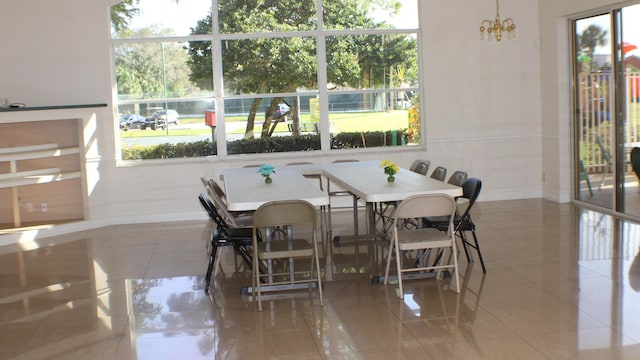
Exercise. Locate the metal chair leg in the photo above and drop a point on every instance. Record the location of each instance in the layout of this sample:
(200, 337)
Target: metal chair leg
(212, 256)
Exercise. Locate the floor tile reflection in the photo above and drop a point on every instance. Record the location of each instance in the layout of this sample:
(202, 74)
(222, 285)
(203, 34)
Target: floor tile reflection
(562, 283)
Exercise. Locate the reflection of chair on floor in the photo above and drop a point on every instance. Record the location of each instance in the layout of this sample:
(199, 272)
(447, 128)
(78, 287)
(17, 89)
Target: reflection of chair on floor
(451, 314)
(292, 216)
(582, 175)
(470, 295)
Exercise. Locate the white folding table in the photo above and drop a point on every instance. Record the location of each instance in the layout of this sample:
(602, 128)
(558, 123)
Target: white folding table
(246, 190)
(368, 182)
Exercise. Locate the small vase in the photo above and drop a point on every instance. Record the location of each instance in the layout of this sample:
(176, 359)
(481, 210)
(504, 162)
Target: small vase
(268, 179)
(391, 178)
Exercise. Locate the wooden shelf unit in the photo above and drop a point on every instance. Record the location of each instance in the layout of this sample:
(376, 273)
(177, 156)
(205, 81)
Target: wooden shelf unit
(15, 178)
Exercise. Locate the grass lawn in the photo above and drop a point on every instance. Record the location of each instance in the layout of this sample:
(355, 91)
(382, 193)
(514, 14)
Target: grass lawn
(341, 122)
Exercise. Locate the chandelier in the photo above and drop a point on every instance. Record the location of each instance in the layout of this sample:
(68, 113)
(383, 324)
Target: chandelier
(494, 29)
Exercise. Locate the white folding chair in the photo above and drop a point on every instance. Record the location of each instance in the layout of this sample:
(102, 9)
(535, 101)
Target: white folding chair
(297, 217)
(422, 240)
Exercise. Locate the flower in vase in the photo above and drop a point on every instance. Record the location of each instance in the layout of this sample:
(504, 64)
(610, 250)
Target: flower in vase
(266, 170)
(390, 169)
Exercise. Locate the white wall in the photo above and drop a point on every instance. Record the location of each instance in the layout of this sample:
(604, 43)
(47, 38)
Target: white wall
(483, 102)
(483, 98)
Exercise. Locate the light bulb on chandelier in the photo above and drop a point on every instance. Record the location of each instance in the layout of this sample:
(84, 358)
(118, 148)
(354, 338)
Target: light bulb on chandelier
(495, 29)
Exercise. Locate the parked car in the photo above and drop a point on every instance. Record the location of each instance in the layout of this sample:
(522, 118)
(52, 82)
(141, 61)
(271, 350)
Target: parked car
(161, 118)
(132, 121)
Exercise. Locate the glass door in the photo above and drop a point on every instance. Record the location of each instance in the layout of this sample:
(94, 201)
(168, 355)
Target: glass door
(593, 82)
(607, 103)
(629, 132)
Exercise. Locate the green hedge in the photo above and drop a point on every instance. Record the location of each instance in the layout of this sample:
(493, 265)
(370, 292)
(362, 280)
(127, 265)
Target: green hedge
(351, 140)
(266, 145)
(274, 144)
(168, 151)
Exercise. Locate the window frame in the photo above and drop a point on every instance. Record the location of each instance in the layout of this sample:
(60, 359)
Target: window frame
(320, 34)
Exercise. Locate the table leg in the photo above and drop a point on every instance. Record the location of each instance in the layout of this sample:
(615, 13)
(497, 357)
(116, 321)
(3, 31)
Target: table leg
(372, 233)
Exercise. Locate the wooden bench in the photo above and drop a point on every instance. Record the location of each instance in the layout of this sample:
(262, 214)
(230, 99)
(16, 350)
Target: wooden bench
(306, 127)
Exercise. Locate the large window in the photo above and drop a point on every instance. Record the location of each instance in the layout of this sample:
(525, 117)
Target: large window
(207, 77)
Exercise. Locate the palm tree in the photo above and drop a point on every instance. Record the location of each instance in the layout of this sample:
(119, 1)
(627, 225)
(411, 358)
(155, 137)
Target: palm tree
(592, 37)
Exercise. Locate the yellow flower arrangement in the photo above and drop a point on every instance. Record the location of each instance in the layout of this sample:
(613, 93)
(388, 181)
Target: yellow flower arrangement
(390, 169)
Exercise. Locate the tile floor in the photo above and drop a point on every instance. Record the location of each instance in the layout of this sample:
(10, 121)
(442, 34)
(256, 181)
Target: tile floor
(562, 283)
